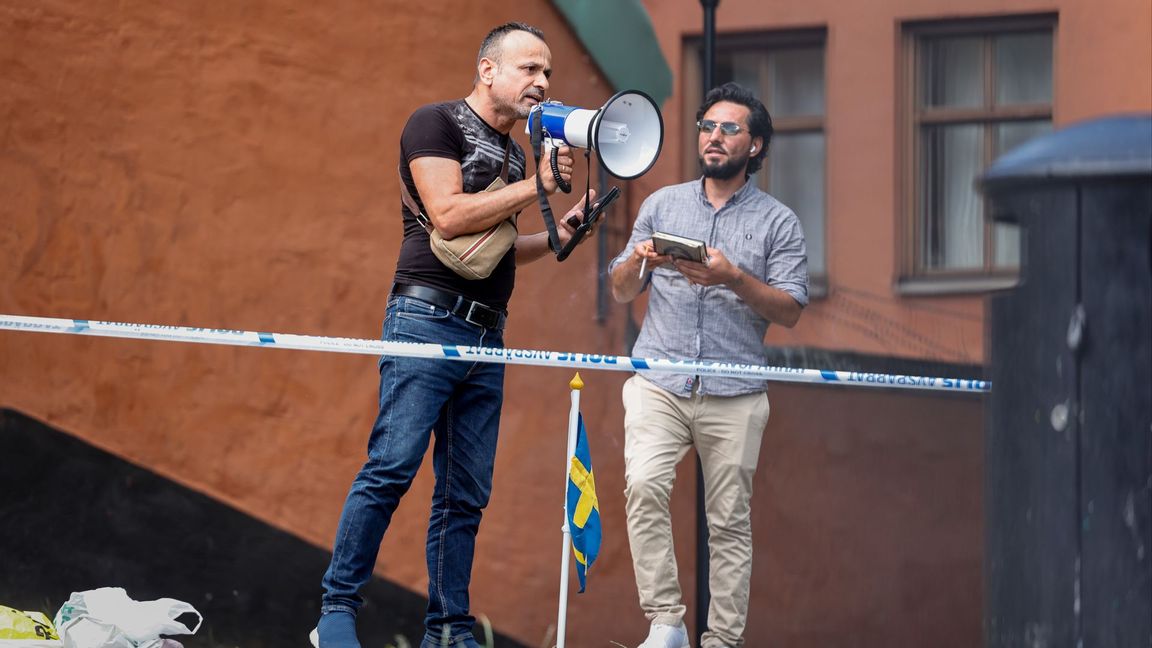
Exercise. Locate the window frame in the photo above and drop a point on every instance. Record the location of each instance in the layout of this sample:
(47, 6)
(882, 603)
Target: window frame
(915, 277)
(765, 43)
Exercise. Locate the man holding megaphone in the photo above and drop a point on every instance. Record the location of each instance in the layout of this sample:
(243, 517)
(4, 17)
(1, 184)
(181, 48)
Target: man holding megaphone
(463, 179)
(722, 261)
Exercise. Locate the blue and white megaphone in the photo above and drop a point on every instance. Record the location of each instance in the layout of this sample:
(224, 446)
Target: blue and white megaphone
(626, 132)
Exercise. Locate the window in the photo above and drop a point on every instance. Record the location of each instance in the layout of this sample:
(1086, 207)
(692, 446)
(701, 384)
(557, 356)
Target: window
(975, 90)
(786, 71)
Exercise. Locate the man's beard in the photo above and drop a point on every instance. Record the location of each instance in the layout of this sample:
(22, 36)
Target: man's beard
(522, 111)
(724, 170)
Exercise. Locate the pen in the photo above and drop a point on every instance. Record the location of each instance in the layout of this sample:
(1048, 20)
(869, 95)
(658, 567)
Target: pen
(643, 264)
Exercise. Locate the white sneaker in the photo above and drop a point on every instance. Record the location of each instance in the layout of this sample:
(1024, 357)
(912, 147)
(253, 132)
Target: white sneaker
(666, 636)
(314, 637)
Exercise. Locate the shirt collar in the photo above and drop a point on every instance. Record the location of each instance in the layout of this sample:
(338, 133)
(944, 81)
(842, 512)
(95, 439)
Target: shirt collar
(743, 192)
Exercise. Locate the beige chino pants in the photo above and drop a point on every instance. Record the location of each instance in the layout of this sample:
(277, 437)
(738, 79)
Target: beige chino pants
(726, 432)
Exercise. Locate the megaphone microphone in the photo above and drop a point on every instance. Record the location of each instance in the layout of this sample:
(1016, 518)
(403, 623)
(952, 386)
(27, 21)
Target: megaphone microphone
(627, 133)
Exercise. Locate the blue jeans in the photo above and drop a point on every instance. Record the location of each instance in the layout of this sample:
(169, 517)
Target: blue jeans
(460, 402)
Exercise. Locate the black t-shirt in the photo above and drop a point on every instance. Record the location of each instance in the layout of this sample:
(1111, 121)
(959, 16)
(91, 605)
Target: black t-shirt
(452, 130)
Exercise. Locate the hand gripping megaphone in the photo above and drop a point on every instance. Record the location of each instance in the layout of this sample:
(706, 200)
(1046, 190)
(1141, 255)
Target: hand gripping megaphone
(627, 133)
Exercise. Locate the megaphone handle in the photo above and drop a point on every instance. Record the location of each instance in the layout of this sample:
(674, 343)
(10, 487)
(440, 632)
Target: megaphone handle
(553, 159)
(592, 213)
(572, 243)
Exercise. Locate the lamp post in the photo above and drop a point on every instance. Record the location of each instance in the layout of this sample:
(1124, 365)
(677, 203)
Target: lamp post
(702, 593)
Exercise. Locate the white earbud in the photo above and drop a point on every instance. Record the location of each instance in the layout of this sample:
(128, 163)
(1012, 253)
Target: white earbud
(753, 150)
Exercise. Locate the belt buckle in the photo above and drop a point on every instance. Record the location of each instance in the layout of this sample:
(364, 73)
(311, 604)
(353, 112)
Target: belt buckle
(481, 315)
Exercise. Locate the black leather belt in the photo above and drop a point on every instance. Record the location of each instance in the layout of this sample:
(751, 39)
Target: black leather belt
(472, 311)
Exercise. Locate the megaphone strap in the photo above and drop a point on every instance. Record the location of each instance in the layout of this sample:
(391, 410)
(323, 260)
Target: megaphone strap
(591, 212)
(535, 130)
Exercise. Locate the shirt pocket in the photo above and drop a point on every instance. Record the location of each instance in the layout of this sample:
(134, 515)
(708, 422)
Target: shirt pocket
(750, 253)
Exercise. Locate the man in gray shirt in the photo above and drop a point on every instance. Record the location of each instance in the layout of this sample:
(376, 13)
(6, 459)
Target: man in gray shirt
(755, 274)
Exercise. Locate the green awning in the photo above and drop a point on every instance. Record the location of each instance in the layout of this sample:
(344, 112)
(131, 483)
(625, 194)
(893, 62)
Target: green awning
(619, 37)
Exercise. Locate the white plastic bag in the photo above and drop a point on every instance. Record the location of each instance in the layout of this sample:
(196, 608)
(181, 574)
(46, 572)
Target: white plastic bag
(107, 618)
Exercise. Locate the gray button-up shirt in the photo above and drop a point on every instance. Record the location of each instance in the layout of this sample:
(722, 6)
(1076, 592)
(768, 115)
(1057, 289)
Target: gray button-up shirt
(684, 322)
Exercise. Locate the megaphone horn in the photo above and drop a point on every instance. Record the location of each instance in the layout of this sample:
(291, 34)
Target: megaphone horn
(626, 132)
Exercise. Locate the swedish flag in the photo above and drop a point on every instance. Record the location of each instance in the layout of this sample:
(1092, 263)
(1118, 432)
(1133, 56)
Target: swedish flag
(583, 508)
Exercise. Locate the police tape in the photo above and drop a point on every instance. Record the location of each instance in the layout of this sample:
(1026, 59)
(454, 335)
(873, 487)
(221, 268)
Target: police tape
(483, 354)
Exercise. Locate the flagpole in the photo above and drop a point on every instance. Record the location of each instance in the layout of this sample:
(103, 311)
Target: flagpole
(573, 423)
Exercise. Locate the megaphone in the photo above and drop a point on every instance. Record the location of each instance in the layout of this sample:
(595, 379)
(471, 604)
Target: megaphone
(626, 132)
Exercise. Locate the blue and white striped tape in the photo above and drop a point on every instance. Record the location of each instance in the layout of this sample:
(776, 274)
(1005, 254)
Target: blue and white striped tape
(566, 360)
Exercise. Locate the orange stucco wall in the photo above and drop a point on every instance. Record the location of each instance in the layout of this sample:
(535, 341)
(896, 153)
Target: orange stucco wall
(233, 166)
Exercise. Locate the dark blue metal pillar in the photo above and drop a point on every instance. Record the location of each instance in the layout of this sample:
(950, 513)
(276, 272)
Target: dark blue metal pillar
(1068, 439)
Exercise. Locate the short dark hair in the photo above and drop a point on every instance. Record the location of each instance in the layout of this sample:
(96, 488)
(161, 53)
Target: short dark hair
(759, 121)
(490, 47)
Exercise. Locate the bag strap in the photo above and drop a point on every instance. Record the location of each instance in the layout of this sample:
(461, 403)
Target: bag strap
(504, 167)
(424, 221)
(411, 205)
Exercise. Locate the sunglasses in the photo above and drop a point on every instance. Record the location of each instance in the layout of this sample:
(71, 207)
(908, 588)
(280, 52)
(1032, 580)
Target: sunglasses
(728, 128)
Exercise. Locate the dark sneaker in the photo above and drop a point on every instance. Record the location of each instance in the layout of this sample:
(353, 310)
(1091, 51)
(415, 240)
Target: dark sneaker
(335, 630)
